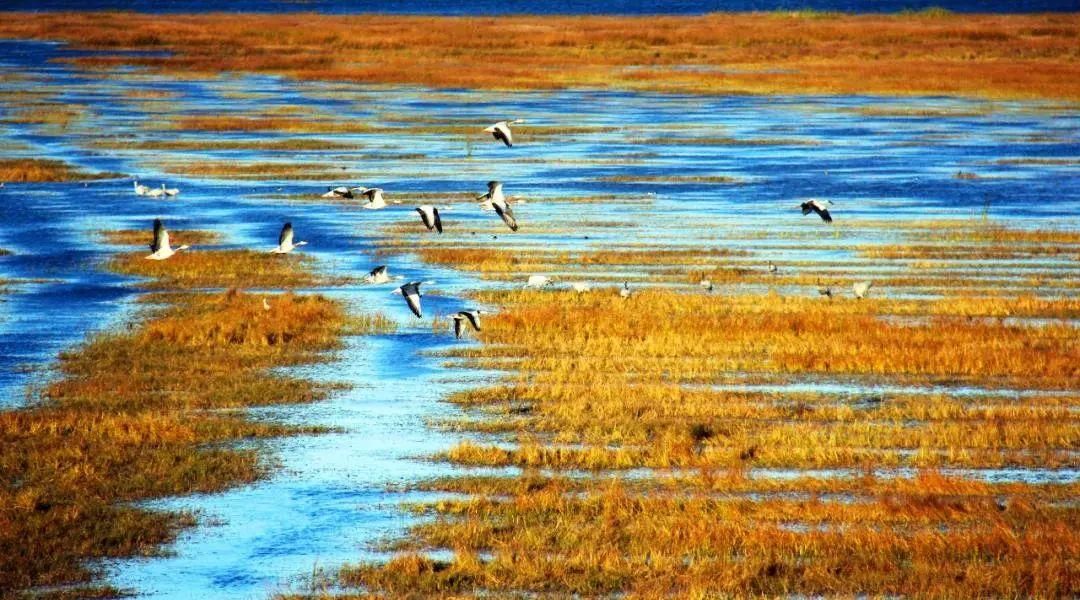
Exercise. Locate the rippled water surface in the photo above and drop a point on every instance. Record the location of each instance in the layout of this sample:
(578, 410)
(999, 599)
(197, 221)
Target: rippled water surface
(876, 158)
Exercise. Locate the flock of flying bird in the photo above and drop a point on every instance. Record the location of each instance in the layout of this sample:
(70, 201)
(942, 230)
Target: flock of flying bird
(493, 200)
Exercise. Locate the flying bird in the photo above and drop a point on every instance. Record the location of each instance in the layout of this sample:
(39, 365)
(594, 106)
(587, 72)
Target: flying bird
(501, 131)
(430, 217)
(411, 292)
(342, 192)
(495, 198)
(379, 274)
(819, 207)
(285, 241)
(861, 288)
(375, 198)
(159, 246)
(472, 316)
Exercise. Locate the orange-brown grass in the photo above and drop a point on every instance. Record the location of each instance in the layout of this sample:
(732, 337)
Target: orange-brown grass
(212, 144)
(126, 421)
(198, 268)
(988, 55)
(612, 541)
(260, 171)
(602, 383)
(142, 237)
(954, 251)
(30, 170)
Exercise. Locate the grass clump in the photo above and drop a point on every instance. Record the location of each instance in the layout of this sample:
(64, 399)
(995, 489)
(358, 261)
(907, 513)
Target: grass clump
(32, 170)
(196, 268)
(131, 417)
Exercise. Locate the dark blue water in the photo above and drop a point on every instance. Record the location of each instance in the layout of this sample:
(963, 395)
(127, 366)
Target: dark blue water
(542, 7)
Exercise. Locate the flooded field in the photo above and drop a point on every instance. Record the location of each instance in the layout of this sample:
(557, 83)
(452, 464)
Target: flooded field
(963, 214)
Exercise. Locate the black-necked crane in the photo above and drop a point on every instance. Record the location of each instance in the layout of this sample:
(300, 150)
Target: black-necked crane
(497, 200)
(429, 215)
(375, 198)
(380, 274)
(159, 247)
(285, 241)
(817, 206)
(411, 292)
(625, 292)
(472, 316)
(501, 131)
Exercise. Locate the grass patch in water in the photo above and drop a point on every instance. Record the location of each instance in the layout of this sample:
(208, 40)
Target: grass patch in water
(32, 170)
(195, 268)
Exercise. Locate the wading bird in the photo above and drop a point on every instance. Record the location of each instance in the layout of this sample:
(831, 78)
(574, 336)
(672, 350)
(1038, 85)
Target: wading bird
(819, 207)
(170, 192)
(538, 281)
(625, 291)
(501, 131)
(580, 287)
(825, 291)
(772, 268)
(429, 215)
(266, 304)
(472, 316)
(705, 283)
(141, 190)
(375, 198)
(160, 245)
(861, 288)
(379, 274)
(411, 292)
(285, 243)
(495, 198)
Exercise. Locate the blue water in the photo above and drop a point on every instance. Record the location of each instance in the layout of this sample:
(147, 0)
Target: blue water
(543, 7)
(329, 502)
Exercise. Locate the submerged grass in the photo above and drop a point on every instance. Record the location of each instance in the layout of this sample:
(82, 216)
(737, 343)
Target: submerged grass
(639, 478)
(127, 421)
(32, 170)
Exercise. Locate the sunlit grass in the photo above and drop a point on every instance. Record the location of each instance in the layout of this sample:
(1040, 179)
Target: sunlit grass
(1010, 56)
(142, 237)
(29, 170)
(201, 268)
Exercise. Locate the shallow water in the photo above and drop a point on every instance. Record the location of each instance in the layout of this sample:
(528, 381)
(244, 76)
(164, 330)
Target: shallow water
(330, 502)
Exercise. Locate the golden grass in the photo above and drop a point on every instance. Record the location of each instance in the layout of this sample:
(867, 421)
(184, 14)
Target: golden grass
(195, 268)
(607, 384)
(259, 171)
(126, 421)
(142, 237)
(214, 144)
(30, 170)
(1014, 56)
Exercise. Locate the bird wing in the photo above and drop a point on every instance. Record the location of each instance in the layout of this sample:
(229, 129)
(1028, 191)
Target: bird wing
(507, 216)
(457, 327)
(424, 217)
(155, 243)
(163, 240)
(502, 133)
(473, 318)
(438, 220)
(411, 292)
(286, 236)
(823, 213)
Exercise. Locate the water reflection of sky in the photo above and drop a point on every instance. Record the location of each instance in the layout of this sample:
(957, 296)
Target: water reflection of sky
(329, 501)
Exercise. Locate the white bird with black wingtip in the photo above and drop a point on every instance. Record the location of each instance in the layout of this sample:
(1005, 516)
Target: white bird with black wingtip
(375, 198)
(429, 216)
(380, 274)
(501, 131)
(411, 292)
(342, 192)
(821, 207)
(472, 316)
(285, 241)
(160, 247)
(497, 200)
